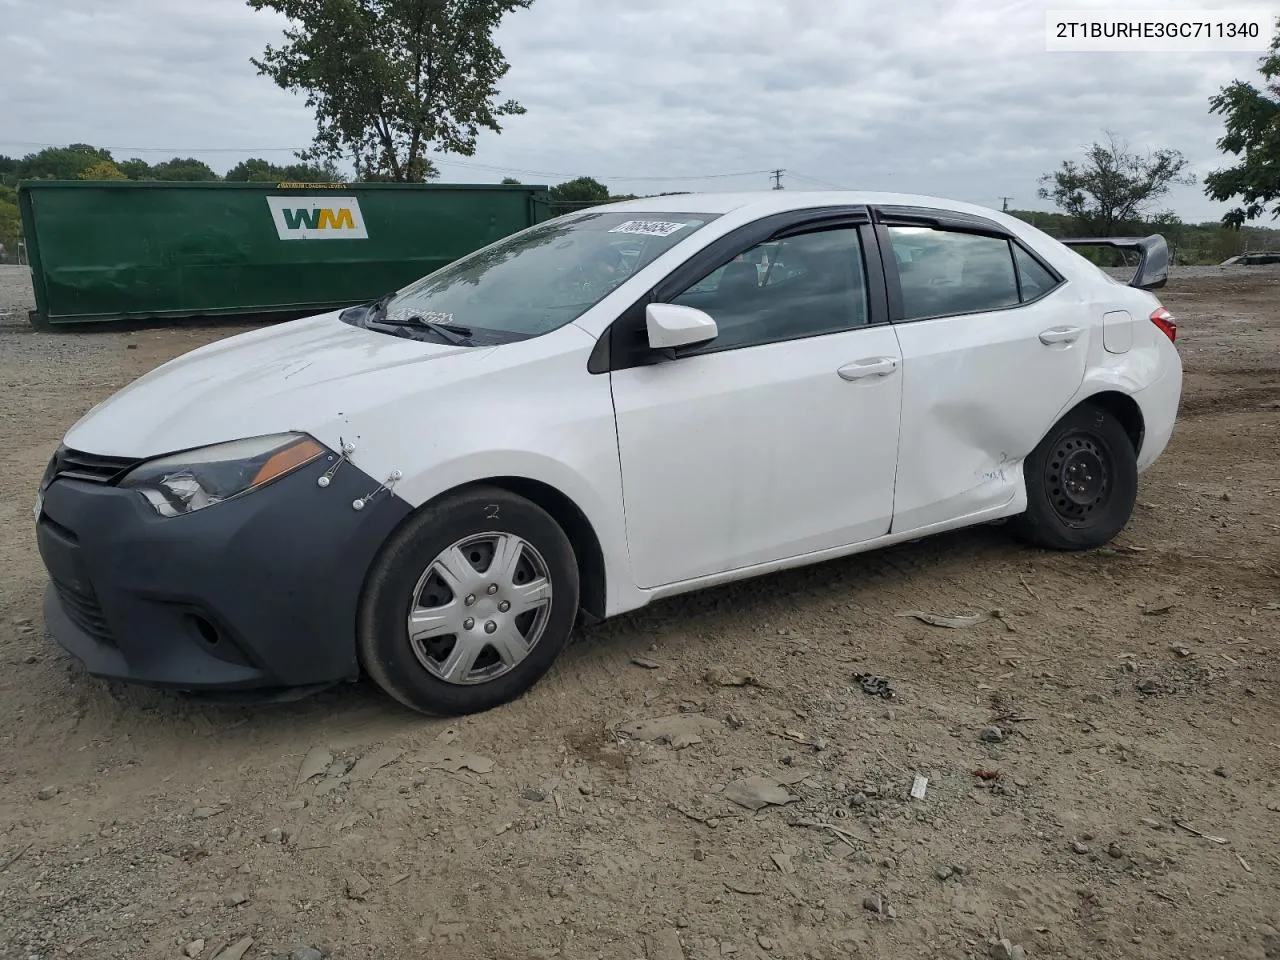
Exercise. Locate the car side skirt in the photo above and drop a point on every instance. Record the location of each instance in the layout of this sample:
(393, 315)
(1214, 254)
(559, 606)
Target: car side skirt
(1017, 504)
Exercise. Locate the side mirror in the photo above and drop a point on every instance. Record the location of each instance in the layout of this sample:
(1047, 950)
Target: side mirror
(672, 326)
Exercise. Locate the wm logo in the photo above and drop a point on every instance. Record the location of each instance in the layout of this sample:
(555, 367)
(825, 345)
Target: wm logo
(317, 218)
(322, 219)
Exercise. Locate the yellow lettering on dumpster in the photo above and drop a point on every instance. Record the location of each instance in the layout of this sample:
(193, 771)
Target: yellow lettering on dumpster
(336, 221)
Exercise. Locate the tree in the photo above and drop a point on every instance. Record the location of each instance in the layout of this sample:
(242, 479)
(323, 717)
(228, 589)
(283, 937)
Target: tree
(102, 170)
(136, 169)
(254, 170)
(1113, 186)
(580, 190)
(183, 169)
(390, 79)
(576, 194)
(1253, 135)
(10, 221)
(510, 181)
(60, 163)
(257, 170)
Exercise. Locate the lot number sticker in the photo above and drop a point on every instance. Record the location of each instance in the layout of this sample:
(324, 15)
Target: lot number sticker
(649, 228)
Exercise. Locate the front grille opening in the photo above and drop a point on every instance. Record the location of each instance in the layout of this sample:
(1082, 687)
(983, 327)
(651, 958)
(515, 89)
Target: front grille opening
(91, 467)
(207, 631)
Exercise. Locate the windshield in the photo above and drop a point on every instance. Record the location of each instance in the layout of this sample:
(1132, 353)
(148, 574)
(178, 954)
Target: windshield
(541, 279)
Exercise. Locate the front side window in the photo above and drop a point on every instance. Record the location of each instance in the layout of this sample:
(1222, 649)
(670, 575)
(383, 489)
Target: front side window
(799, 286)
(945, 272)
(539, 280)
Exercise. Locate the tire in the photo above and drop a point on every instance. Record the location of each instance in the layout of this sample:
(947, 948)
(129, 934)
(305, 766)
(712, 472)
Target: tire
(471, 654)
(1082, 482)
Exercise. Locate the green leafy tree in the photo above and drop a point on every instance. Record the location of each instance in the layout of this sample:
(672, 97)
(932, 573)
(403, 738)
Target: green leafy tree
(257, 170)
(576, 194)
(183, 169)
(580, 190)
(390, 80)
(102, 170)
(1252, 116)
(60, 163)
(510, 181)
(136, 169)
(326, 172)
(1113, 186)
(8, 170)
(10, 221)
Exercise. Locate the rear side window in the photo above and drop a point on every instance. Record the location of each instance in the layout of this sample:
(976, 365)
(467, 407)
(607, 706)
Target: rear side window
(1036, 280)
(946, 272)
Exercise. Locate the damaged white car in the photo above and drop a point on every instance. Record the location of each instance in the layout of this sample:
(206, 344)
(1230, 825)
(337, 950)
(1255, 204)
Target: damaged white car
(617, 405)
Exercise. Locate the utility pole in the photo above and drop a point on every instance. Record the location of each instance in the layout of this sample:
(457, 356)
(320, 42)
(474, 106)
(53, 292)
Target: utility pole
(777, 178)
(1005, 204)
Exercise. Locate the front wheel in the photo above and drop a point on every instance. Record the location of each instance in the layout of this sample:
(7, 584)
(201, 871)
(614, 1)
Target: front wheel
(469, 604)
(1082, 482)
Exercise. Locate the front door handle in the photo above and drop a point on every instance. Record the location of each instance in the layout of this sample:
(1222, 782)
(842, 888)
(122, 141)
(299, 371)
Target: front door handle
(1061, 335)
(869, 367)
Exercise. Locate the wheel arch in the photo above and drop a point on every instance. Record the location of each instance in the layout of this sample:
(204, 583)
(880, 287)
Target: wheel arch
(592, 572)
(1125, 409)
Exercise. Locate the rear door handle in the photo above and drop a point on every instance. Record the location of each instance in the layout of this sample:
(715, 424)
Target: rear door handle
(868, 367)
(1061, 335)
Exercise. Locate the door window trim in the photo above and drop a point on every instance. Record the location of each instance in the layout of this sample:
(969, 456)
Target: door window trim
(616, 349)
(951, 222)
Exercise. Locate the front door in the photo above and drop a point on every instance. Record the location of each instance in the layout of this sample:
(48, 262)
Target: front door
(779, 437)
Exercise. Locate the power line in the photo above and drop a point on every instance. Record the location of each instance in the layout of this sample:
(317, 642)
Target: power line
(553, 173)
(173, 150)
(777, 178)
(1004, 201)
(820, 182)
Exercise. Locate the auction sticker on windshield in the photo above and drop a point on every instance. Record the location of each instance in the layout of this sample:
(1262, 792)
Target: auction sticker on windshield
(649, 228)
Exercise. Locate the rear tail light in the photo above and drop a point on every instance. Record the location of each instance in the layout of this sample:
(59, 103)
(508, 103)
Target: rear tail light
(1163, 319)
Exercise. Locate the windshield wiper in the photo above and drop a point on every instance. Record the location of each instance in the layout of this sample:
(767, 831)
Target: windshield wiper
(378, 310)
(449, 332)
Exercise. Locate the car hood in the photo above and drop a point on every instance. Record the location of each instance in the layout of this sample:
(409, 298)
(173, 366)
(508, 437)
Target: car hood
(309, 375)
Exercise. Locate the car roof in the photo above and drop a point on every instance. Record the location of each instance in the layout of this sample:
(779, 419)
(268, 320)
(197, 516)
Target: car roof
(764, 202)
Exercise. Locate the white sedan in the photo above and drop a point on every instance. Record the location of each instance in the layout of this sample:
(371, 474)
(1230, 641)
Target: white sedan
(621, 404)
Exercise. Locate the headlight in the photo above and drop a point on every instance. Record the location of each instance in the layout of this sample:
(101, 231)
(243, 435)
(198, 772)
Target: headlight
(186, 482)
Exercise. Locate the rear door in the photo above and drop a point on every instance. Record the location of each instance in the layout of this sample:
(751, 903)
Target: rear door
(994, 345)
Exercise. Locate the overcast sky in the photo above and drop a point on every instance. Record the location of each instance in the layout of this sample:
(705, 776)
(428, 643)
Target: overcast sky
(951, 97)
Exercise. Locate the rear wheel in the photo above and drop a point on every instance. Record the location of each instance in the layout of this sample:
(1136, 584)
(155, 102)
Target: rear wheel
(1082, 482)
(470, 603)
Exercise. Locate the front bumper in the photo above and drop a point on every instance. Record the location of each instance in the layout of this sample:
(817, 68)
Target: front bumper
(258, 592)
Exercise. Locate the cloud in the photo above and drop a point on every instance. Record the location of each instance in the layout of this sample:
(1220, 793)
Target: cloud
(951, 97)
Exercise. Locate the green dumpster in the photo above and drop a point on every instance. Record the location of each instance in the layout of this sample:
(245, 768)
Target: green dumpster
(127, 250)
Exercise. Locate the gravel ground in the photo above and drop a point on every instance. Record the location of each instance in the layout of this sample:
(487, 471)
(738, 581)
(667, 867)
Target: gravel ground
(1102, 758)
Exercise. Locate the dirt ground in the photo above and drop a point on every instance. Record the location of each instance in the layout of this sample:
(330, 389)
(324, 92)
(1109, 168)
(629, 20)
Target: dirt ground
(1132, 810)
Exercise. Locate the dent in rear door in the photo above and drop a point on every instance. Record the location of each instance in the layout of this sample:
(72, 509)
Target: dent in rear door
(980, 388)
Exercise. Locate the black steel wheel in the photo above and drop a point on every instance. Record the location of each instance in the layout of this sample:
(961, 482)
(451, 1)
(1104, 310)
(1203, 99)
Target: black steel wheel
(1082, 482)
(1078, 477)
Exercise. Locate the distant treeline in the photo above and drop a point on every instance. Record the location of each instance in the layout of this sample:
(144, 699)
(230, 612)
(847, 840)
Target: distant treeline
(1189, 243)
